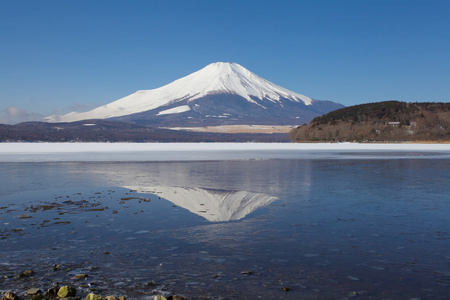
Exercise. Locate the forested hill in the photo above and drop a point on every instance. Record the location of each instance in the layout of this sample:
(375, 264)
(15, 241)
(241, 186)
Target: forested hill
(382, 121)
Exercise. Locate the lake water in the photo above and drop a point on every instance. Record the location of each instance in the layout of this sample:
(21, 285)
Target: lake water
(362, 226)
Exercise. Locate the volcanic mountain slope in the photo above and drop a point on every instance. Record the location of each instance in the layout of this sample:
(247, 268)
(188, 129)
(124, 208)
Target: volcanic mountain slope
(219, 94)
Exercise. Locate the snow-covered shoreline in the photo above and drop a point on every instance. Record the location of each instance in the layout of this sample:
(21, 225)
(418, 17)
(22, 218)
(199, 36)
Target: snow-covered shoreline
(81, 147)
(35, 152)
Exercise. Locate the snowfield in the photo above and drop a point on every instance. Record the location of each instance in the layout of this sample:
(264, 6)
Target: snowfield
(46, 152)
(175, 110)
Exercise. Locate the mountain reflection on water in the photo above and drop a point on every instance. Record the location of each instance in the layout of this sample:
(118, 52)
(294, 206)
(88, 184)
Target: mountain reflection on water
(340, 229)
(211, 204)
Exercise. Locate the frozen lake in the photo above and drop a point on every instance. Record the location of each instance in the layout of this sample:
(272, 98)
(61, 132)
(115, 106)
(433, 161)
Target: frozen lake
(46, 152)
(249, 221)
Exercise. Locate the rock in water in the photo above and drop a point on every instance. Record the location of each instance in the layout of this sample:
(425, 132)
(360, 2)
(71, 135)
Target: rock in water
(33, 291)
(93, 296)
(26, 273)
(9, 296)
(80, 276)
(67, 291)
(53, 292)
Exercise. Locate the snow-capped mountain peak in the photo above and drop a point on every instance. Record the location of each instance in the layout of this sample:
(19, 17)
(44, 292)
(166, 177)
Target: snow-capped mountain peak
(234, 78)
(215, 78)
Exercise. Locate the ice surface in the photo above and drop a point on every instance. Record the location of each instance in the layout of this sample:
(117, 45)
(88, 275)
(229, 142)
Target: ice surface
(18, 152)
(384, 222)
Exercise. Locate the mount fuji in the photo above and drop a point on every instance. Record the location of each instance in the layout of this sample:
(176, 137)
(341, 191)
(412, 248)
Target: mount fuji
(219, 94)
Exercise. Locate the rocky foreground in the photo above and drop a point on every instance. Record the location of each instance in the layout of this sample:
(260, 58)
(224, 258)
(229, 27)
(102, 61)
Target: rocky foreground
(68, 292)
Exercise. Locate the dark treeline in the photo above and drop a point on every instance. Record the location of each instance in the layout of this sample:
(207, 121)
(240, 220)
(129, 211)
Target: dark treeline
(114, 131)
(381, 121)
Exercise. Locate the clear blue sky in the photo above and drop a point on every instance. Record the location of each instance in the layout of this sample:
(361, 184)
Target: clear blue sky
(58, 56)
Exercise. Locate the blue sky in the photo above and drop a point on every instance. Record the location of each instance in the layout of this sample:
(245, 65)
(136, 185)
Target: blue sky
(58, 56)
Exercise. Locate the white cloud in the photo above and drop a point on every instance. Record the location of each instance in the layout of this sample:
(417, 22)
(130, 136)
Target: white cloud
(16, 112)
(14, 115)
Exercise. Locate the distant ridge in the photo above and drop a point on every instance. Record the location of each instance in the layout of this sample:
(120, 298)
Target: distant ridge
(115, 131)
